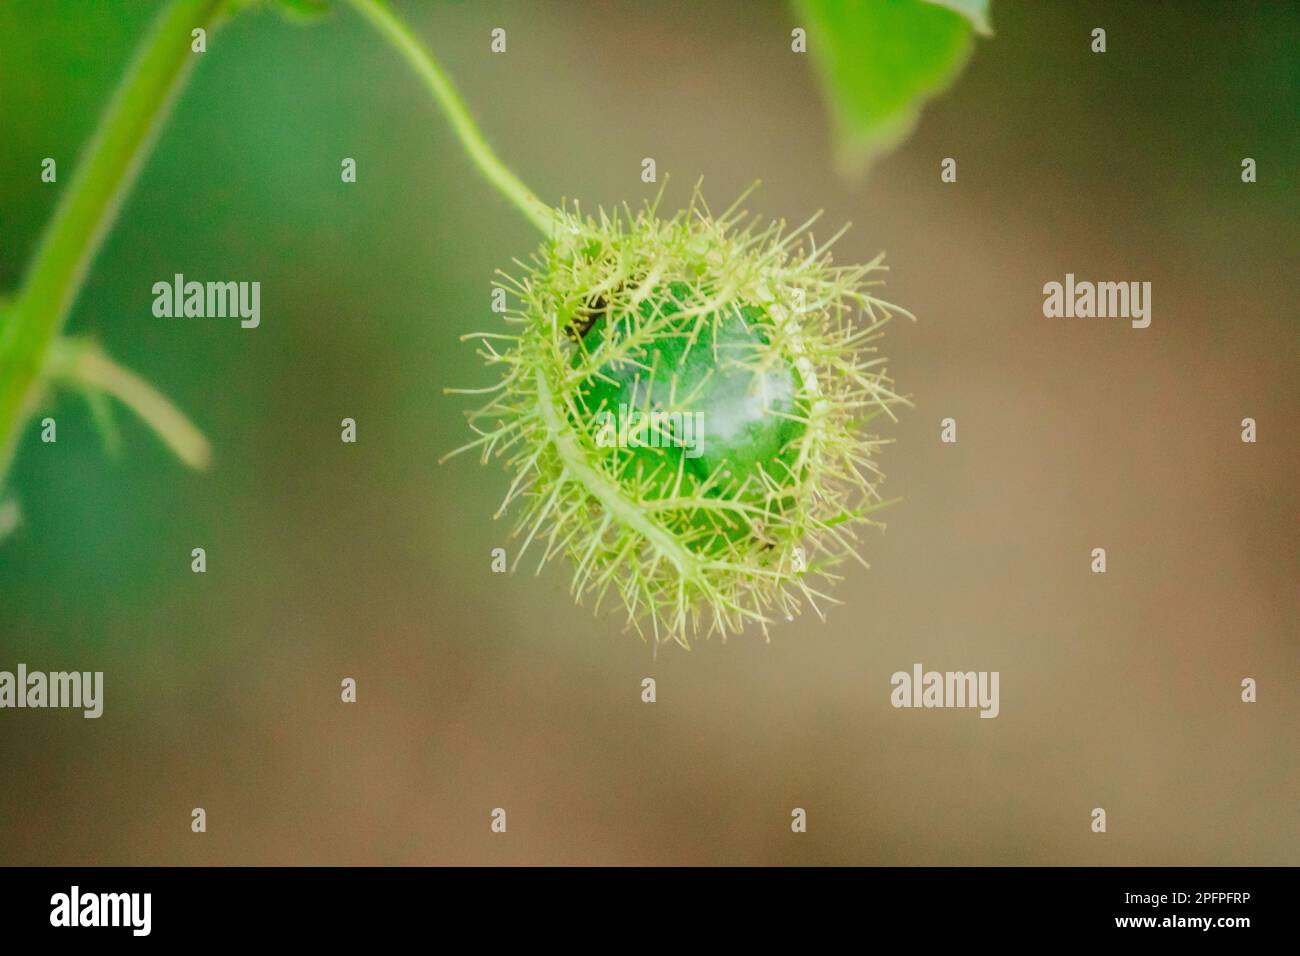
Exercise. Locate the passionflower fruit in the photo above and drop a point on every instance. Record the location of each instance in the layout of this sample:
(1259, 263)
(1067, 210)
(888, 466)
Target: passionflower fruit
(684, 407)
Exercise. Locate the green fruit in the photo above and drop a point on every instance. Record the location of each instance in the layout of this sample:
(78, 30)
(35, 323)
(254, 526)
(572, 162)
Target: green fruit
(716, 416)
(682, 405)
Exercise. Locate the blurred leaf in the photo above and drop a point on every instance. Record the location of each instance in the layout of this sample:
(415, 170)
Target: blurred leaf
(881, 60)
(10, 516)
(976, 11)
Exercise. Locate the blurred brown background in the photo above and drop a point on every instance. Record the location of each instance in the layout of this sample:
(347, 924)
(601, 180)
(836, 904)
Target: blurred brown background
(478, 690)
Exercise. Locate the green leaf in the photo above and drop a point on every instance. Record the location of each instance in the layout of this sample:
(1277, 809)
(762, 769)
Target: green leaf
(976, 11)
(881, 60)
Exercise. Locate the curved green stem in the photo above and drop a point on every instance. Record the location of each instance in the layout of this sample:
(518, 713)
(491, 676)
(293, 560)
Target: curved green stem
(448, 99)
(88, 207)
(83, 365)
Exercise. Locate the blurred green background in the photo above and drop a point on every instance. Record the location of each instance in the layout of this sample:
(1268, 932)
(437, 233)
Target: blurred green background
(479, 690)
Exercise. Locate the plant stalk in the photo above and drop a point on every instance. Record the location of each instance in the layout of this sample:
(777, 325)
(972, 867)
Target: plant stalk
(444, 92)
(88, 208)
(84, 366)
